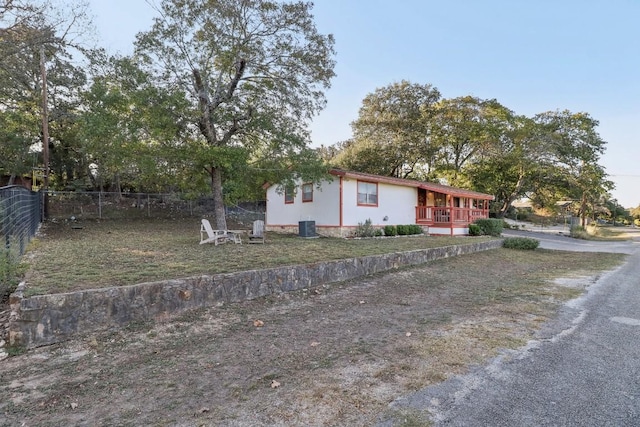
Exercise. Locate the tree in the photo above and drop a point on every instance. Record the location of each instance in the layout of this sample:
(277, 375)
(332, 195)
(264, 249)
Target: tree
(574, 149)
(129, 129)
(510, 167)
(254, 72)
(462, 128)
(15, 159)
(35, 42)
(20, 93)
(391, 133)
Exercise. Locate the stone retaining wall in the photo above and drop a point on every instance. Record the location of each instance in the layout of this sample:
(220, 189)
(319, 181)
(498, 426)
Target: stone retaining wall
(47, 319)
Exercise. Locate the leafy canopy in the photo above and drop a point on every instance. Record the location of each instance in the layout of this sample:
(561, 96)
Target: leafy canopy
(254, 73)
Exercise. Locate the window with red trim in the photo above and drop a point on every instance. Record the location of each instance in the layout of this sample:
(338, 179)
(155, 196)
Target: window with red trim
(307, 192)
(367, 193)
(289, 195)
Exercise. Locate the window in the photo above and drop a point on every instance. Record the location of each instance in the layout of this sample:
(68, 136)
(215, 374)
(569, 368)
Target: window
(307, 192)
(367, 193)
(289, 194)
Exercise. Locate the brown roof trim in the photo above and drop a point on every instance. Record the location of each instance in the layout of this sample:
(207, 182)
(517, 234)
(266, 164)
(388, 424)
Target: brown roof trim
(439, 188)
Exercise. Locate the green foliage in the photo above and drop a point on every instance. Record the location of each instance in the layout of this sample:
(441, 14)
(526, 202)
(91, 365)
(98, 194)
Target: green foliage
(14, 350)
(366, 230)
(475, 230)
(11, 272)
(252, 73)
(31, 31)
(416, 229)
(525, 243)
(462, 127)
(389, 133)
(579, 232)
(409, 229)
(402, 230)
(390, 230)
(490, 226)
(523, 214)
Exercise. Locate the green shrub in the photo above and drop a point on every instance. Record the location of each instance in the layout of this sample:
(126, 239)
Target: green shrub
(366, 229)
(578, 232)
(474, 230)
(390, 230)
(409, 229)
(523, 215)
(416, 229)
(526, 243)
(11, 271)
(490, 226)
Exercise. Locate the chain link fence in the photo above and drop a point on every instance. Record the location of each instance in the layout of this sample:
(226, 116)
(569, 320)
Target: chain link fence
(20, 215)
(75, 206)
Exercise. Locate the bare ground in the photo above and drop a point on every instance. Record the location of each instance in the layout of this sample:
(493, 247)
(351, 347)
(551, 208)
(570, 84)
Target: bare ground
(331, 356)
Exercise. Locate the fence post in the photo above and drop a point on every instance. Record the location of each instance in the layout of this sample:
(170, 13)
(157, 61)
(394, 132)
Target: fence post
(100, 204)
(7, 221)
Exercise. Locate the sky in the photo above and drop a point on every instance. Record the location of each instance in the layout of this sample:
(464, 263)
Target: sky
(531, 56)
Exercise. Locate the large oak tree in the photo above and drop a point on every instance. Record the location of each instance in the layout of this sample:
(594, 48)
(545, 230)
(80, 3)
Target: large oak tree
(391, 135)
(254, 72)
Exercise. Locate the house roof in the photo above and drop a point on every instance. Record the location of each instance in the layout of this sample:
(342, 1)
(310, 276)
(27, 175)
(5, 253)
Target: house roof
(431, 186)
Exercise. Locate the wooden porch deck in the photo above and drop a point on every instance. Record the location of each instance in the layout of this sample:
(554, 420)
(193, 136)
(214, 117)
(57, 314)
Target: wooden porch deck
(447, 216)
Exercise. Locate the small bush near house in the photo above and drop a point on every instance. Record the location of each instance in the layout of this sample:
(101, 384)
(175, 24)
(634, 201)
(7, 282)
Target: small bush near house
(409, 229)
(416, 229)
(390, 230)
(525, 243)
(475, 230)
(490, 226)
(367, 230)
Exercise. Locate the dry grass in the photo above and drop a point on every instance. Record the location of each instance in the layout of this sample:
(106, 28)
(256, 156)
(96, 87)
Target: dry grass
(119, 252)
(608, 233)
(339, 353)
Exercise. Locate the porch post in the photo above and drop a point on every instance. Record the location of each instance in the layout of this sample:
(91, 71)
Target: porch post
(451, 215)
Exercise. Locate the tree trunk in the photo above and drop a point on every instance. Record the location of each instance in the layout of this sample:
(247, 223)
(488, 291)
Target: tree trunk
(512, 197)
(218, 203)
(583, 211)
(116, 187)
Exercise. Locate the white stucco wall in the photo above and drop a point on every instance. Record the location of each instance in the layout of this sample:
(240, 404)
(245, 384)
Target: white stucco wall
(395, 202)
(324, 209)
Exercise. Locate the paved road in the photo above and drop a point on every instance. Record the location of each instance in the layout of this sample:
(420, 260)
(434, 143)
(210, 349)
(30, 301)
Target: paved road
(584, 370)
(554, 240)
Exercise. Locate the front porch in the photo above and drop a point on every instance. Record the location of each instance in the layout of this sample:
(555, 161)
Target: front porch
(431, 215)
(449, 214)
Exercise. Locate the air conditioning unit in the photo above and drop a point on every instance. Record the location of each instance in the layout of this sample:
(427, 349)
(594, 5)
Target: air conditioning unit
(307, 228)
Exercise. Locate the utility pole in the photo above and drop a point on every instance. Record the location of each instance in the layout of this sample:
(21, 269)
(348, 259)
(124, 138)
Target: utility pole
(45, 135)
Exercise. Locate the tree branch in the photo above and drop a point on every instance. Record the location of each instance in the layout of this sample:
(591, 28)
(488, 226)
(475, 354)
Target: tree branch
(205, 123)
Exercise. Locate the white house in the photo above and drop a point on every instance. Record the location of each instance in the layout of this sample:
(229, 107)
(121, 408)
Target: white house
(339, 205)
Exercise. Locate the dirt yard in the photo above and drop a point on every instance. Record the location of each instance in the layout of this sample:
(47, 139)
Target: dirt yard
(332, 356)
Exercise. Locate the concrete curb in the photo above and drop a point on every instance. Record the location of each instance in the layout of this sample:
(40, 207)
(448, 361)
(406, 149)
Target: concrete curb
(47, 319)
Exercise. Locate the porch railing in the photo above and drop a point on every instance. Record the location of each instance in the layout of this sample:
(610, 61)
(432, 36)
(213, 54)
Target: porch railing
(446, 215)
